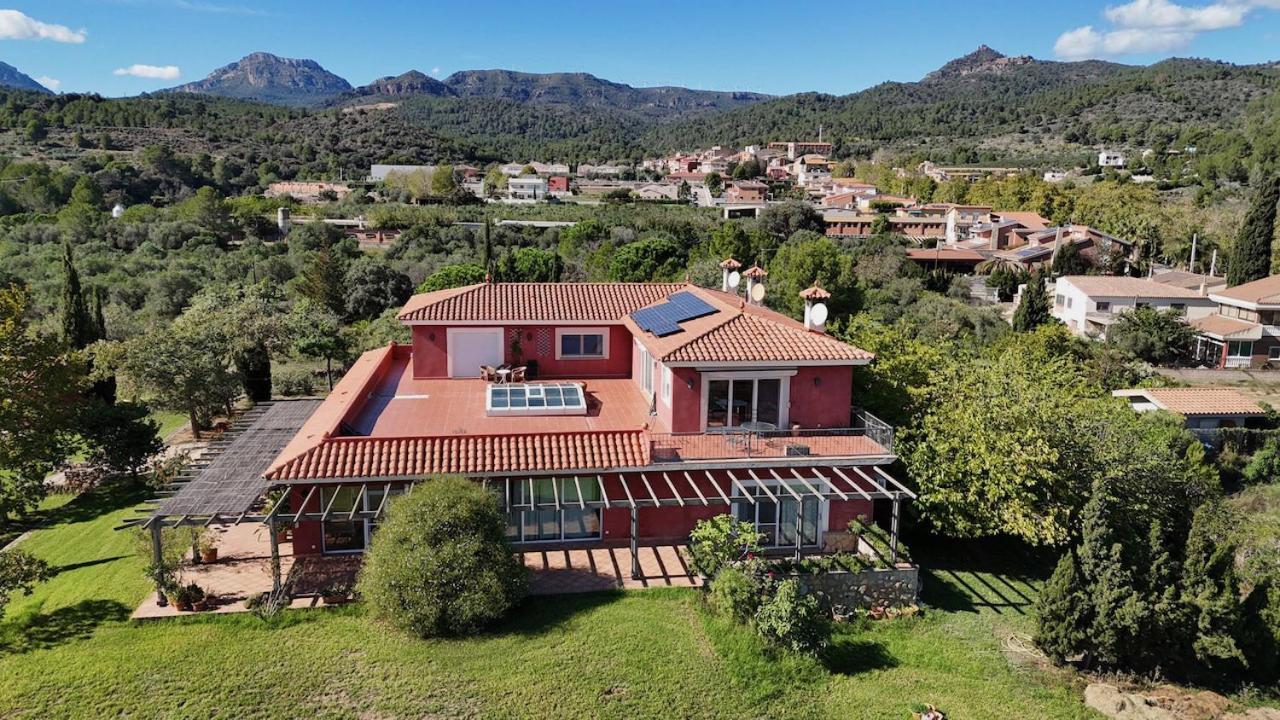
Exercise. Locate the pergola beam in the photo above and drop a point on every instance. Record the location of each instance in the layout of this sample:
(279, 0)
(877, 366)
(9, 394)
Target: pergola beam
(827, 481)
(359, 498)
(625, 488)
(692, 484)
(305, 501)
(804, 481)
(901, 488)
(603, 494)
(649, 488)
(854, 484)
(750, 496)
(719, 490)
(674, 492)
(582, 504)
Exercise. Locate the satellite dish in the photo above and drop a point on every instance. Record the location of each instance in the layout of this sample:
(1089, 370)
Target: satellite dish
(818, 314)
(757, 292)
(735, 277)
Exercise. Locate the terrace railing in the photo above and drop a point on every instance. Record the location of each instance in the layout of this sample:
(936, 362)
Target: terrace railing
(868, 436)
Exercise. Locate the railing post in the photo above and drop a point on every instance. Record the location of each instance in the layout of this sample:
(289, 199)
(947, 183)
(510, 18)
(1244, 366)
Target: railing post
(157, 561)
(893, 532)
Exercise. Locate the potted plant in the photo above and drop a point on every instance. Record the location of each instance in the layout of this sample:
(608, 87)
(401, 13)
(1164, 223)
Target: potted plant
(162, 576)
(206, 602)
(208, 551)
(184, 597)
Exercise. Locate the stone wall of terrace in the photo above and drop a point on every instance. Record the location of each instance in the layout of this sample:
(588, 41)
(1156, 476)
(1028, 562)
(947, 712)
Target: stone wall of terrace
(890, 587)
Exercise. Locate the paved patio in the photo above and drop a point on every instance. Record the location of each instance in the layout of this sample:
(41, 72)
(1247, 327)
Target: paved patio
(243, 569)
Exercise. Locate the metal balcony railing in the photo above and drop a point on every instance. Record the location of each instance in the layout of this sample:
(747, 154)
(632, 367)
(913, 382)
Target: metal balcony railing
(869, 436)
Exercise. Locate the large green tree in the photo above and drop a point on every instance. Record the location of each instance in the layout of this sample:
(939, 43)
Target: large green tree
(40, 399)
(1160, 337)
(807, 258)
(1251, 254)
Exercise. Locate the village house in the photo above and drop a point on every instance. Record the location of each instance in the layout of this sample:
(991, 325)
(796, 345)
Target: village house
(1110, 159)
(599, 414)
(794, 150)
(1205, 410)
(527, 187)
(746, 191)
(811, 169)
(1089, 304)
(657, 191)
(1244, 332)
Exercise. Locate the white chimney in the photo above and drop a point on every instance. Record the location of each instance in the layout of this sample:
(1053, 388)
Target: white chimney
(755, 276)
(727, 268)
(815, 311)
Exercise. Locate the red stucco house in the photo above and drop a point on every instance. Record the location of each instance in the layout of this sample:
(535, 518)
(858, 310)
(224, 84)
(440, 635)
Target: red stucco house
(644, 407)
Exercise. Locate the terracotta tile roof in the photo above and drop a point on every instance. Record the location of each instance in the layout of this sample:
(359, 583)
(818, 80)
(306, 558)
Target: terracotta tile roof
(1031, 220)
(536, 302)
(1262, 292)
(369, 457)
(1189, 280)
(1225, 328)
(1204, 401)
(945, 254)
(1108, 286)
(755, 271)
(739, 332)
(730, 264)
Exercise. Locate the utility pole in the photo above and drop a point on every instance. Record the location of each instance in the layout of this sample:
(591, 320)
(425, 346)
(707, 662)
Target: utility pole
(1191, 265)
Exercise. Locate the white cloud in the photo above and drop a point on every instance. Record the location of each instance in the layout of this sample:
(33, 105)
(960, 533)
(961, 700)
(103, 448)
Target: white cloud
(154, 72)
(18, 26)
(51, 83)
(1166, 15)
(435, 71)
(1154, 26)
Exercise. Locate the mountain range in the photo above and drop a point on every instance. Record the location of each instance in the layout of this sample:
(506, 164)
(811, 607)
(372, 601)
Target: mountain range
(11, 77)
(984, 106)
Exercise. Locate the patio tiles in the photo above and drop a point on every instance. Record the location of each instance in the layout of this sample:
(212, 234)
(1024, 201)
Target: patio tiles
(574, 570)
(243, 569)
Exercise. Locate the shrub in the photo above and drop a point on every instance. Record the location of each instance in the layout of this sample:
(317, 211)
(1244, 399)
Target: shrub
(739, 589)
(719, 541)
(1264, 466)
(440, 563)
(793, 620)
(293, 382)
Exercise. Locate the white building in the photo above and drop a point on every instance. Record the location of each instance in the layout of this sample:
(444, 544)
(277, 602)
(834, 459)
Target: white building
(1089, 304)
(1054, 176)
(527, 187)
(811, 170)
(1110, 158)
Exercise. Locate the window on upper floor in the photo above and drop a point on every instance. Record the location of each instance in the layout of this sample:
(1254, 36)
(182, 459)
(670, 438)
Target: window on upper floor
(666, 384)
(756, 402)
(584, 344)
(1059, 300)
(1103, 306)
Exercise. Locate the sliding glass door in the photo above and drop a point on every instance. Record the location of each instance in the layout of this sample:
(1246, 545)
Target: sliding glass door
(778, 520)
(732, 402)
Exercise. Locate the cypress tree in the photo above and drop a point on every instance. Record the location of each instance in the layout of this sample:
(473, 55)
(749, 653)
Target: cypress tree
(1211, 590)
(1033, 311)
(1064, 612)
(77, 326)
(1251, 254)
(486, 249)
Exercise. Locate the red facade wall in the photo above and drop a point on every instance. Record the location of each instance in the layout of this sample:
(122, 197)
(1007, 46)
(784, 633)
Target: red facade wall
(537, 342)
(307, 536)
(686, 414)
(821, 397)
(429, 351)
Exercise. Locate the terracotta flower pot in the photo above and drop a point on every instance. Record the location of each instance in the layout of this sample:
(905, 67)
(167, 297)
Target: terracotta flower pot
(209, 556)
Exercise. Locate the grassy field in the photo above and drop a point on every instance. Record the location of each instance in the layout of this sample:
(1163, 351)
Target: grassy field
(69, 651)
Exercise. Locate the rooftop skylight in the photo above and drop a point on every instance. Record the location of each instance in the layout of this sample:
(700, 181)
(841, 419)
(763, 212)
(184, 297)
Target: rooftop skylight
(535, 399)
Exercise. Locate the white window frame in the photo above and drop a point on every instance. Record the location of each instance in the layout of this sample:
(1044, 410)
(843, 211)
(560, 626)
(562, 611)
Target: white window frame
(784, 391)
(1246, 356)
(824, 509)
(666, 384)
(451, 333)
(1102, 306)
(1273, 352)
(645, 381)
(604, 342)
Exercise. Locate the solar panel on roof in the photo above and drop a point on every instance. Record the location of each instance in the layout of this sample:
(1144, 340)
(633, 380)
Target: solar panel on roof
(665, 318)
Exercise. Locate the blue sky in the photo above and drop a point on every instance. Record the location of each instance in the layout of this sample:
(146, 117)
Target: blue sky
(123, 47)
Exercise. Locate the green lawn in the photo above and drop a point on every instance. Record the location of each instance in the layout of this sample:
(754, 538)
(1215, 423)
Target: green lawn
(656, 653)
(168, 421)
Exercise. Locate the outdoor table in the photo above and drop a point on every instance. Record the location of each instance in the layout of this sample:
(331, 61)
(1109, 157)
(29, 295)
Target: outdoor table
(503, 375)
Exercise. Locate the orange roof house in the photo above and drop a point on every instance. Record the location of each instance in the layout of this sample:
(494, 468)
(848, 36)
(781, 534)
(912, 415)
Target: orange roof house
(581, 404)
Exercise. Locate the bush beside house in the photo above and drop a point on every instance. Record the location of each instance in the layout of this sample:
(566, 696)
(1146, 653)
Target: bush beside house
(440, 563)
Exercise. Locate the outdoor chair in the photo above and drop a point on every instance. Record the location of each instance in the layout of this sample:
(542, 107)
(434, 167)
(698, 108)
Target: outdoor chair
(517, 374)
(488, 373)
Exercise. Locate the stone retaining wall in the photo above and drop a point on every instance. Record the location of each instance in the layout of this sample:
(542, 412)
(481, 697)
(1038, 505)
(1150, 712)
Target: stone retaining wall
(870, 588)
